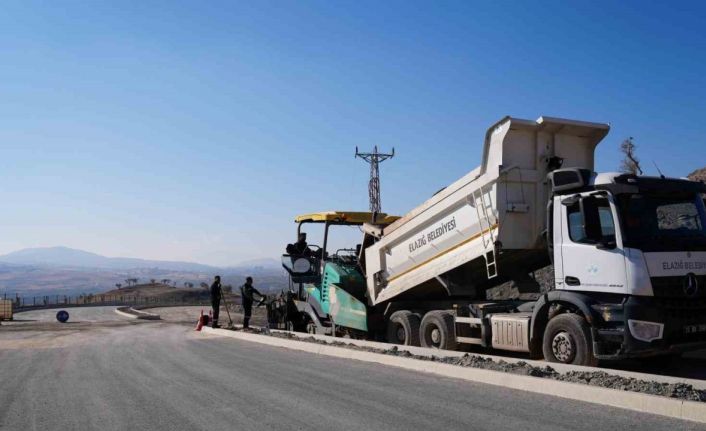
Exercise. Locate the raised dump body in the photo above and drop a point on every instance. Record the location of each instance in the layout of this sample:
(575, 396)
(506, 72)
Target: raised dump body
(487, 227)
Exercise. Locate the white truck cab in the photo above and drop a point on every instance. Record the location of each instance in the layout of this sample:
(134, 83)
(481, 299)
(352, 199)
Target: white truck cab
(635, 249)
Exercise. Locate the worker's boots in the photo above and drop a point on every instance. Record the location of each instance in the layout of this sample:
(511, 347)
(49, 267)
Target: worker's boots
(215, 324)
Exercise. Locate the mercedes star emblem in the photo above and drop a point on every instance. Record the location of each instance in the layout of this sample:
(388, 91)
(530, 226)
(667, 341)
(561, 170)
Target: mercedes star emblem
(691, 285)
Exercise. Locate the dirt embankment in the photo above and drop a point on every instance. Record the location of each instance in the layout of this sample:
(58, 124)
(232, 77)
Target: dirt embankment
(163, 292)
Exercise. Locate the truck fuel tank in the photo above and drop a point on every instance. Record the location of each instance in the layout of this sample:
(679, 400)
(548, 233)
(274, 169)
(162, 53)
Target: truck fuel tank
(511, 331)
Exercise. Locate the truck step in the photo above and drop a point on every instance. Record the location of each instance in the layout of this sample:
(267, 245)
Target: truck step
(470, 340)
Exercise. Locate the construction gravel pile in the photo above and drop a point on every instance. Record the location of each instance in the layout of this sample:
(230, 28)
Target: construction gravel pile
(594, 378)
(603, 379)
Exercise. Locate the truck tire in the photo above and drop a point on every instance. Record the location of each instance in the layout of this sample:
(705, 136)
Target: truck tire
(438, 330)
(403, 328)
(567, 339)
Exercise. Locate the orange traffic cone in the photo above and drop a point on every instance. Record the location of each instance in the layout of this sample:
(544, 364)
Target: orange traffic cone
(199, 324)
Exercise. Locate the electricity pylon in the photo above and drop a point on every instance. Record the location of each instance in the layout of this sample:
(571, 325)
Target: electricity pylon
(374, 159)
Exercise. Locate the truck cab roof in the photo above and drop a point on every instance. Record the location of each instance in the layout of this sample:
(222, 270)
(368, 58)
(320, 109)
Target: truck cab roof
(617, 182)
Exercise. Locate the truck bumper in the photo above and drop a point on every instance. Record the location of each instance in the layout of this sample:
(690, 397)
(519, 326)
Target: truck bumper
(682, 323)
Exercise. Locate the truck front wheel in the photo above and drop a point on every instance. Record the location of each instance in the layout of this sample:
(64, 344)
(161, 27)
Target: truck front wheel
(403, 328)
(438, 331)
(567, 339)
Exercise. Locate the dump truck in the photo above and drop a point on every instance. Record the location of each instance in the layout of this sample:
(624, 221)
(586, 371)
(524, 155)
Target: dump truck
(627, 256)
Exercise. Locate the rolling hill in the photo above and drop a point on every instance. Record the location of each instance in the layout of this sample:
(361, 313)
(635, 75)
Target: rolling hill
(65, 271)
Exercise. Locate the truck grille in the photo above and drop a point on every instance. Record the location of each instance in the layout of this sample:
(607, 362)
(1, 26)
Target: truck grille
(685, 317)
(673, 287)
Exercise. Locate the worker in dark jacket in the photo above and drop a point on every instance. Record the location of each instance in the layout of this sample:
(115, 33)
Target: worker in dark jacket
(248, 292)
(216, 294)
(299, 248)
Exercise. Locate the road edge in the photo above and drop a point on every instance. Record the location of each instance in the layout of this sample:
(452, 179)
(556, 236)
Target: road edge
(645, 403)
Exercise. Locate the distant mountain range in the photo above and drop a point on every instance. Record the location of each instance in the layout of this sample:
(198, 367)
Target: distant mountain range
(66, 271)
(65, 257)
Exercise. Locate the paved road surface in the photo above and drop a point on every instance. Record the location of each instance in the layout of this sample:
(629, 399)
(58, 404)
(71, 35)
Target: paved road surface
(161, 375)
(76, 315)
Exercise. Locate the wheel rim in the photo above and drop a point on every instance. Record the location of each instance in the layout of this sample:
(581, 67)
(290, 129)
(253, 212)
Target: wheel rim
(563, 347)
(435, 337)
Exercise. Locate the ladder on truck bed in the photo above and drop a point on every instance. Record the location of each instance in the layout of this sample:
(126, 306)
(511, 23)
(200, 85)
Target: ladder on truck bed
(484, 210)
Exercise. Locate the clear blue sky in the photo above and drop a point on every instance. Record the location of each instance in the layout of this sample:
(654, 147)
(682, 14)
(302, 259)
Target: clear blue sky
(197, 130)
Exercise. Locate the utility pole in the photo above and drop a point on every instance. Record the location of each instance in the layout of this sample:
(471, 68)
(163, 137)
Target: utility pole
(374, 159)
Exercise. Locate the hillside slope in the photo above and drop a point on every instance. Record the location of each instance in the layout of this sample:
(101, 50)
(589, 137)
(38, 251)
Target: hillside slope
(698, 175)
(163, 292)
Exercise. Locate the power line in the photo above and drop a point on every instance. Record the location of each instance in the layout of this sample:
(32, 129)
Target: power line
(374, 159)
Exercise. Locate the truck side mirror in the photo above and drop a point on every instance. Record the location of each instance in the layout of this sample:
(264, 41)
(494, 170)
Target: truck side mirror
(591, 219)
(571, 200)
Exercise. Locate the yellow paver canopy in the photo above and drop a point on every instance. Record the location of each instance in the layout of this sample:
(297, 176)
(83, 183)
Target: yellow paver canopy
(345, 217)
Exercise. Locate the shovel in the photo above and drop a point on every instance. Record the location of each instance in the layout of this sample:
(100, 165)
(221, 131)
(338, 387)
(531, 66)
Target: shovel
(230, 321)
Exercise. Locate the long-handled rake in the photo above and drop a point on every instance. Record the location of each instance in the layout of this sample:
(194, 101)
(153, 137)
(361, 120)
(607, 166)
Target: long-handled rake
(230, 321)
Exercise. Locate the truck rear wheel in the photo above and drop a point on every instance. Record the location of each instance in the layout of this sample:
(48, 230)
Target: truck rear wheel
(403, 328)
(567, 339)
(438, 330)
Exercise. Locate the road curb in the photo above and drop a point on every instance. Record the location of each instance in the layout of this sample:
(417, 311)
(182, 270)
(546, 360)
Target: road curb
(136, 314)
(125, 314)
(646, 403)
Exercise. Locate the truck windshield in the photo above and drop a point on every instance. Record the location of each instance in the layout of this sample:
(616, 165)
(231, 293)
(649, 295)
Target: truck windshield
(661, 223)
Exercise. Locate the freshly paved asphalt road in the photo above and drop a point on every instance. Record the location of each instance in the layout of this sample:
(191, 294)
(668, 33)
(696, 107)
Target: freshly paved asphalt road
(161, 375)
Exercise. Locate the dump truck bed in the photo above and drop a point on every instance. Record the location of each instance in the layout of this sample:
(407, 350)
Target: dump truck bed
(451, 243)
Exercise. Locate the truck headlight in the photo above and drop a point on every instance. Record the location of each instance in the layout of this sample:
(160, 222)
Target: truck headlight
(646, 331)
